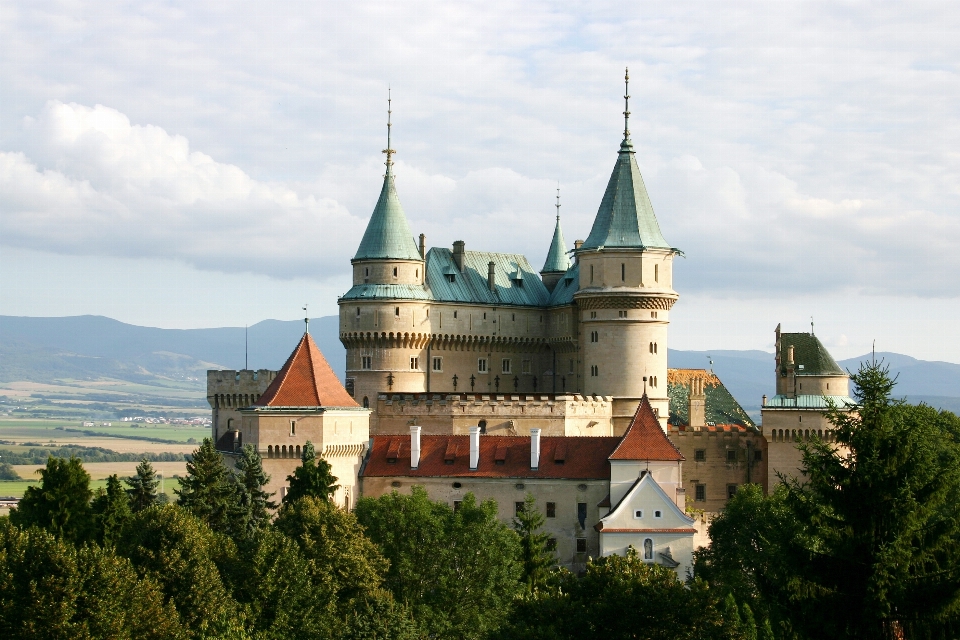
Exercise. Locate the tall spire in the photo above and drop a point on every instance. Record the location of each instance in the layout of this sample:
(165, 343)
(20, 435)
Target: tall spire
(558, 202)
(557, 259)
(388, 234)
(389, 150)
(626, 104)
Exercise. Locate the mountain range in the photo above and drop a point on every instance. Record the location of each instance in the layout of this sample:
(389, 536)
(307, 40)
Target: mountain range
(47, 350)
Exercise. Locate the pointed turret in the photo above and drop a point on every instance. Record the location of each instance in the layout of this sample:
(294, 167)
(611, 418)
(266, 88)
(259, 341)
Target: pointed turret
(388, 235)
(625, 218)
(557, 261)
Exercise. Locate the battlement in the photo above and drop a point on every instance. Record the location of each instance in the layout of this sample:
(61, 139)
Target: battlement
(231, 388)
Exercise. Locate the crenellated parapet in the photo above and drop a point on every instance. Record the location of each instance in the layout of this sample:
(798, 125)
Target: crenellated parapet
(601, 299)
(229, 388)
(448, 342)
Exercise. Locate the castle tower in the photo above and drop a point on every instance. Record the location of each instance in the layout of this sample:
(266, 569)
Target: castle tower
(557, 262)
(625, 294)
(388, 273)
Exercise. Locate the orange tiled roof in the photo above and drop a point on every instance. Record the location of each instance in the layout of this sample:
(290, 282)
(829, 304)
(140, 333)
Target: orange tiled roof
(500, 457)
(306, 380)
(644, 439)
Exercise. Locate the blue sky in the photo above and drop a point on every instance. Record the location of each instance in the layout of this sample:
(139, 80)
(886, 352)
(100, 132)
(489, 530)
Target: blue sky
(207, 164)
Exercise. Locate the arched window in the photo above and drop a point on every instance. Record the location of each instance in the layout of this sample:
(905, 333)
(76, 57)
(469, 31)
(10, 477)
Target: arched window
(366, 402)
(270, 451)
(298, 451)
(284, 454)
(648, 549)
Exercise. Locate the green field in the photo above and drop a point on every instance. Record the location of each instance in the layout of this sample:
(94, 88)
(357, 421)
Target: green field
(16, 488)
(50, 431)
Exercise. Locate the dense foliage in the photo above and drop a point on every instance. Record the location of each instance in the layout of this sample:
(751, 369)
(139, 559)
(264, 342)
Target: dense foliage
(39, 455)
(864, 547)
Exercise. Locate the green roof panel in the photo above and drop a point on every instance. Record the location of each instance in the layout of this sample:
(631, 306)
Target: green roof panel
(809, 355)
(721, 406)
(515, 280)
(557, 259)
(388, 235)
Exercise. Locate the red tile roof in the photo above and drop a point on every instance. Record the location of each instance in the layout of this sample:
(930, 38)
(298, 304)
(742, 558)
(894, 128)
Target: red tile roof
(644, 439)
(599, 527)
(306, 380)
(449, 456)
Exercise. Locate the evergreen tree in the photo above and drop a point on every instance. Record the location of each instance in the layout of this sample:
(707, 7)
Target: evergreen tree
(143, 487)
(209, 491)
(111, 510)
(61, 503)
(253, 479)
(311, 478)
(535, 555)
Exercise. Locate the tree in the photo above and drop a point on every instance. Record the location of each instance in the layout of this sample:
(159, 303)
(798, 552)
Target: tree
(61, 503)
(343, 561)
(143, 487)
(535, 554)
(866, 545)
(111, 511)
(253, 479)
(457, 571)
(311, 478)
(180, 553)
(210, 492)
(51, 589)
(7, 472)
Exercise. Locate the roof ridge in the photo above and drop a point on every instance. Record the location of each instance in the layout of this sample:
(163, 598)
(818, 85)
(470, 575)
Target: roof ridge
(644, 439)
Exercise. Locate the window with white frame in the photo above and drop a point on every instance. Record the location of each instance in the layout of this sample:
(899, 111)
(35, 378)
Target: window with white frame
(366, 362)
(438, 364)
(505, 365)
(414, 362)
(638, 514)
(482, 365)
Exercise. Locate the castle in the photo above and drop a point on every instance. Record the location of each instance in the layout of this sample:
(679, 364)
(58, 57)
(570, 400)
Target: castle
(468, 371)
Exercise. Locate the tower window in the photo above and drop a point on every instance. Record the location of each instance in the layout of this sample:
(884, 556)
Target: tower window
(594, 370)
(593, 315)
(731, 455)
(594, 336)
(623, 271)
(366, 271)
(622, 313)
(366, 402)
(366, 362)
(700, 492)
(591, 273)
(505, 365)
(482, 365)
(700, 455)
(551, 509)
(454, 315)
(484, 315)
(438, 364)
(653, 314)
(396, 311)
(416, 273)
(293, 427)
(656, 273)
(394, 272)
(358, 312)
(414, 362)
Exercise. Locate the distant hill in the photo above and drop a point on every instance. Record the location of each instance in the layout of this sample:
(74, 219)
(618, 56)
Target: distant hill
(91, 347)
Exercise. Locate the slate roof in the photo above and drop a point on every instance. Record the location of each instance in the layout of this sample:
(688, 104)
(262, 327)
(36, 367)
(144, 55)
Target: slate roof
(557, 259)
(575, 458)
(809, 352)
(625, 217)
(388, 234)
(722, 408)
(562, 294)
(306, 380)
(644, 439)
(808, 402)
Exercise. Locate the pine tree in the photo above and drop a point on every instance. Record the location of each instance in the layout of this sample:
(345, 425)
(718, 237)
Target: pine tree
(251, 476)
(143, 487)
(535, 553)
(111, 510)
(61, 503)
(208, 490)
(311, 478)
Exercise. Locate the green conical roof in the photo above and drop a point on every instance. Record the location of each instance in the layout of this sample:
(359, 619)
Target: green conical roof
(388, 235)
(625, 217)
(557, 260)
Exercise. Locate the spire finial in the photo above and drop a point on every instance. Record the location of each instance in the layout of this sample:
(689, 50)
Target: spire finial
(389, 150)
(626, 104)
(811, 326)
(558, 201)
(306, 320)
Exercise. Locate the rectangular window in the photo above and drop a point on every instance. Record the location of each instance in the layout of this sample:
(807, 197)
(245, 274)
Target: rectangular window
(396, 311)
(571, 366)
(731, 455)
(366, 362)
(731, 490)
(517, 508)
(551, 509)
(581, 545)
(525, 366)
(454, 315)
(700, 493)
(582, 514)
(623, 271)
(622, 313)
(414, 362)
(758, 455)
(438, 364)
(551, 544)
(358, 312)
(293, 427)
(638, 514)
(700, 455)
(482, 365)
(593, 315)
(505, 365)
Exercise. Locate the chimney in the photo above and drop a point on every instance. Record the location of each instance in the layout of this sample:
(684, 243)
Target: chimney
(790, 356)
(423, 246)
(681, 498)
(458, 254)
(576, 247)
(474, 448)
(490, 277)
(697, 414)
(534, 449)
(414, 447)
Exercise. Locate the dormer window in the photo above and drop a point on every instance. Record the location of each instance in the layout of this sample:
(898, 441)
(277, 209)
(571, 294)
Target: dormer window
(451, 277)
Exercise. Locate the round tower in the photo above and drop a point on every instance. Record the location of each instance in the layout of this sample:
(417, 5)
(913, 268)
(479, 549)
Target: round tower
(625, 294)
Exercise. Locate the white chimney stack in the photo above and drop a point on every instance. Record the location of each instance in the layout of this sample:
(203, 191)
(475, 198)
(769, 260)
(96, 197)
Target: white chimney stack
(414, 447)
(474, 447)
(534, 449)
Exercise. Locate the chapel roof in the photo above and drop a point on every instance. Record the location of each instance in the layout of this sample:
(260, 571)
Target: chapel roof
(306, 380)
(809, 355)
(557, 260)
(721, 407)
(644, 439)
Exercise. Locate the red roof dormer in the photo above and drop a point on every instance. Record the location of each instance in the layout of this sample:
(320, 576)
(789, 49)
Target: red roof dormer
(644, 439)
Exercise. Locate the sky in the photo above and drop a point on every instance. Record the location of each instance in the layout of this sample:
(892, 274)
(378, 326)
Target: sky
(184, 164)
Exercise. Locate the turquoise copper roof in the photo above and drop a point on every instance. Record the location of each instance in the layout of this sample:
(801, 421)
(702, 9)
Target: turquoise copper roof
(562, 294)
(388, 235)
(515, 280)
(557, 260)
(809, 402)
(721, 407)
(387, 292)
(625, 217)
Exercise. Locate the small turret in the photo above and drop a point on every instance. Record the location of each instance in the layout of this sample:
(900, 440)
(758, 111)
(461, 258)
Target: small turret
(557, 262)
